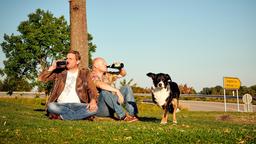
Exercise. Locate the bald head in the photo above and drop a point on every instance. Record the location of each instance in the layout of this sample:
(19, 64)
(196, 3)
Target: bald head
(97, 61)
(99, 64)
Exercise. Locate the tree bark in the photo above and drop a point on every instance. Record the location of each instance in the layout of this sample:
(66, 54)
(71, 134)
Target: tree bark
(78, 30)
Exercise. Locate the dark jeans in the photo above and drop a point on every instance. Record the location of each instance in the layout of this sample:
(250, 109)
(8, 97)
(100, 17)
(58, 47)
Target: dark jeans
(108, 103)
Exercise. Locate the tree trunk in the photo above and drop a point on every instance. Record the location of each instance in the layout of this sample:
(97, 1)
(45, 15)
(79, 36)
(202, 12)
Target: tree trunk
(78, 26)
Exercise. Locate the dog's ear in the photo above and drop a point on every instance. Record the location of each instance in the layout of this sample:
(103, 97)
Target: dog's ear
(152, 75)
(168, 78)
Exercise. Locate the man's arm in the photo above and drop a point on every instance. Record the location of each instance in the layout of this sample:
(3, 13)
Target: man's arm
(105, 86)
(108, 87)
(48, 74)
(92, 90)
(122, 72)
(93, 93)
(113, 76)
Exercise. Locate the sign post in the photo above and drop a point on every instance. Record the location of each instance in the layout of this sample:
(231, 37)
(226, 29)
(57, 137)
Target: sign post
(237, 98)
(247, 99)
(231, 83)
(225, 104)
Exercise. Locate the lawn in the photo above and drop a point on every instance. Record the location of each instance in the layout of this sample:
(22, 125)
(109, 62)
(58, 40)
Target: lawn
(23, 121)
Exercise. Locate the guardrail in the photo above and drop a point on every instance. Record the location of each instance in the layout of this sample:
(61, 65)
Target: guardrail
(196, 95)
(23, 94)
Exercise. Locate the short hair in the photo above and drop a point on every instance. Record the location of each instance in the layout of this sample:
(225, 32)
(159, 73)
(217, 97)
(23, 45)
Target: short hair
(95, 61)
(76, 53)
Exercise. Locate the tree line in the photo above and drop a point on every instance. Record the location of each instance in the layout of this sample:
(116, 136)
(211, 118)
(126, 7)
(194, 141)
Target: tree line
(219, 90)
(185, 89)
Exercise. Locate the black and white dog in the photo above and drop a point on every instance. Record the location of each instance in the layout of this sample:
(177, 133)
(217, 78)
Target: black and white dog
(166, 94)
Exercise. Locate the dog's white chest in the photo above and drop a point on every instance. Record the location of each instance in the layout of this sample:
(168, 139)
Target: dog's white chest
(161, 95)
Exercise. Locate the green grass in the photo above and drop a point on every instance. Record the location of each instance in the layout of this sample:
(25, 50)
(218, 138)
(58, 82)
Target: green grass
(24, 121)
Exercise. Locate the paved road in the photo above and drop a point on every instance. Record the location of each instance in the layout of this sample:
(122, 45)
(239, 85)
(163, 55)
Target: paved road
(213, 106)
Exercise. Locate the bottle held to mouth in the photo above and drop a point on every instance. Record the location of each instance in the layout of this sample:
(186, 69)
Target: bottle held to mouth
(61, 64)
(117, 65)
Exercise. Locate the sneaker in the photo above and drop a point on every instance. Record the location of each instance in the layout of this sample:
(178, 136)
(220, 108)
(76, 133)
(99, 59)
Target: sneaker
(55, 117)
(137, 116)
(90, 118)
(130, 119)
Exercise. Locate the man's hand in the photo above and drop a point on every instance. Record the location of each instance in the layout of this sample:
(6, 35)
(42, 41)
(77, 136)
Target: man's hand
(53, 66)
(92, 106)
(120, 97)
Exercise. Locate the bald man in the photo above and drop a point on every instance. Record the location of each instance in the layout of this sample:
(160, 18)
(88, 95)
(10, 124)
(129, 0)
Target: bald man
(110, 98)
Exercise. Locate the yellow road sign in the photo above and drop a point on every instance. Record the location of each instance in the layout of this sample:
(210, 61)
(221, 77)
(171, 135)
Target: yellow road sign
(231, 83)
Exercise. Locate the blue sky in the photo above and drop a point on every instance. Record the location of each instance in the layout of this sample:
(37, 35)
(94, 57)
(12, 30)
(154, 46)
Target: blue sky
(197, 42)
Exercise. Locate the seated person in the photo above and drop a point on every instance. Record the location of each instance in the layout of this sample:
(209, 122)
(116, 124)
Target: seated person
(110, 98)
(74, 94)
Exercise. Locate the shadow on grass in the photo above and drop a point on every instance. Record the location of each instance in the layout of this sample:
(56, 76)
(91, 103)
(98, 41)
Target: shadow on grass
(149, 119)
(142, 119)
(39, 110)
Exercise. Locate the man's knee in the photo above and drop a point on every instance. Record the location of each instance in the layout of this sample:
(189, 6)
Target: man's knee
(105, 95)
(126, 88)
(52, 107)
(105, 92)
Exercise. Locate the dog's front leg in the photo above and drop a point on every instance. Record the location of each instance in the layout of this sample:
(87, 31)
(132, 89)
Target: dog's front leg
(175, 106)
(165, 115)
(153, 96)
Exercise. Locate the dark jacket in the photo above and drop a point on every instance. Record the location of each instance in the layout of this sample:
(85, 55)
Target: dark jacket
(85, 88)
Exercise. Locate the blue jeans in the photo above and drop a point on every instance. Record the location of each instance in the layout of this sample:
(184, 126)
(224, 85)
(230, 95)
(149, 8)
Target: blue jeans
(70, 111)
(108, 103)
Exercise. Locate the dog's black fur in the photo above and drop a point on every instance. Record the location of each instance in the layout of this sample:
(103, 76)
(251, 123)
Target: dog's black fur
(164, 81)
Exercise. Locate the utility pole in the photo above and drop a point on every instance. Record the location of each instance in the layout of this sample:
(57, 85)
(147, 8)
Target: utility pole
(78, 30)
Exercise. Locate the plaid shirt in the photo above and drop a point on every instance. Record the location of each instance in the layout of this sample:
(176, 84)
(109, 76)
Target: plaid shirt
(108, 77)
